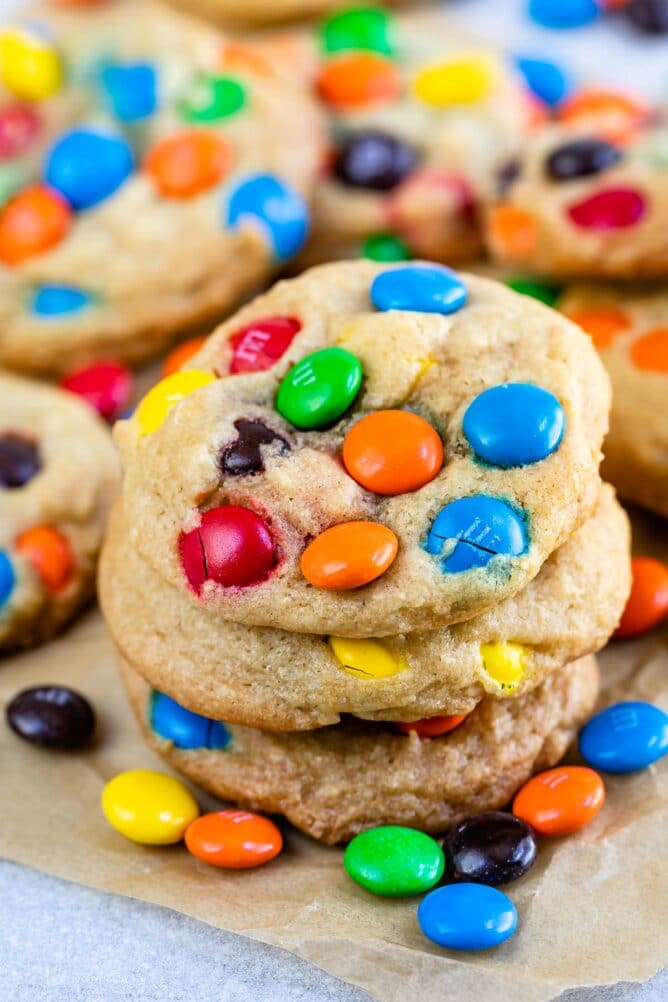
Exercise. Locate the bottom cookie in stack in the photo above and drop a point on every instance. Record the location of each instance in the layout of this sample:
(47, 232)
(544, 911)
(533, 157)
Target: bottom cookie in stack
(336, 781)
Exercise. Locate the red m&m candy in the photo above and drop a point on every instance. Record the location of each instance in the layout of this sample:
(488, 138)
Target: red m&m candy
(19, 125)
(105, 385)
(32, 222)
(431, 727)
(260, 345)
(233, 840)
(232, 546)
(392, 452)
(612, 209)
(647, 604)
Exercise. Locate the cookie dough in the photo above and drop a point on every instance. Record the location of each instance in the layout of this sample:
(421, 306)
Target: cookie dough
(58, 476)
(335, 782)
(589, 196)
(421, 120)
(152, 173)
(485, 409)
(629, 326)
(288, 681)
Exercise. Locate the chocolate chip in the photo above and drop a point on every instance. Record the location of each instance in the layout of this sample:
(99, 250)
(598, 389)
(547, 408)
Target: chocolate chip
(374, 160)
(581, 158)
(650, 16)
(245, 455)
(507, 175)
(19, 460)
(52, 716)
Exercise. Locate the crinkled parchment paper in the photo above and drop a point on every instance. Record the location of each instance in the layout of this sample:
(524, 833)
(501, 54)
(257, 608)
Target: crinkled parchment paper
(593, 910)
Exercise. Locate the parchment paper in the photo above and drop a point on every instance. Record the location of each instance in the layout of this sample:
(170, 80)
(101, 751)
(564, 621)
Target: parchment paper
(593, 910)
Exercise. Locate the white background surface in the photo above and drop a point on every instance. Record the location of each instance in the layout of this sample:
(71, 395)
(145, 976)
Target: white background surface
(62, 943)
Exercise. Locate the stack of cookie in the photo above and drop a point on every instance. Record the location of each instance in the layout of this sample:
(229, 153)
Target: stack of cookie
(363, 553)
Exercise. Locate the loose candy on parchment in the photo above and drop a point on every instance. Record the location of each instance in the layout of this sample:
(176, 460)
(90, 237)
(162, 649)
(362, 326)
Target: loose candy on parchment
(149, 807)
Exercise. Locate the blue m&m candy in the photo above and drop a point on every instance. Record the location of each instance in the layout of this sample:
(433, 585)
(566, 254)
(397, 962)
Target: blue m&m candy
(7, 578)
(514, 424)
(131, 89)
(264, 200)
(563, 13)
(467, 916)
(418, 287)
(625, 737)
(547, 80)
(86, 166)
(59, 300)
(471, 531)
(186, 729)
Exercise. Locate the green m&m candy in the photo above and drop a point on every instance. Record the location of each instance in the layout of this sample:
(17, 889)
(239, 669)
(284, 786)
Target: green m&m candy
(212, 98)
(366, 27)
(385, 247)
(394, 861)
(320, 388)
(542, 291)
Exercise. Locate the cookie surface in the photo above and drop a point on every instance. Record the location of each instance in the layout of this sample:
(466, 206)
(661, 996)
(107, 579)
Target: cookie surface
(154, 174)
(589, 197)
(629, 326)
(421, 119)
(316, 780)
(257, 12)
(244, 488)
(285, 681)
(58, 476)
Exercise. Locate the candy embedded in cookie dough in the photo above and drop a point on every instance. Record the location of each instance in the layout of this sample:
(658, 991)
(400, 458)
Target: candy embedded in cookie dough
(366, 659)
(20, 460)
(33, 221)
(349, 555)
(268, 204)
(188, 162)
(184, 728)
(581, 158)
(611, 209)
(431, 727)
(232, 547)
(50, 554)
(213, 98)
(392, 452)
(30, 65)
(374, 160)
(320, 388)
(472, 531)
(53, 301)
(86, 166)
(131, 90)
(20, 125)
(514, 424)
(258, 346)
(159, 401)
(420, 288)
(106, 386)
(7, 578)
(505, 663)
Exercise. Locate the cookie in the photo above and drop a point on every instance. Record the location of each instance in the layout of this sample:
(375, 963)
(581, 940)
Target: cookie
(152, 173)
(58, 476)
(288, 681)
(367, 450)
(337, 781)
(629, 326)
(589, 196)
(259, 12)
(421, 120)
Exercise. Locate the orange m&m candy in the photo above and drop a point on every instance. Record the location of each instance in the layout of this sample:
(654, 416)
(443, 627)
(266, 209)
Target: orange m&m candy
(358, 80)
(602, 323)
(33, 221)
(514, 230)
(561, 800)
(614, 115)
(234, 840)
(178, 357)
(349, 555)
(647, 604)
(392, 452)
(50, 554)
(188, 162)
(431, 727)
(650, 352)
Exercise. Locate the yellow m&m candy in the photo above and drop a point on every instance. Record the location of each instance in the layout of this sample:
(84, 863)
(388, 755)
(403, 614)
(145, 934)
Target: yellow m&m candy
(456, 81)
(159, 401)
(366, 658)
(149, 807)
(505, 663)
(30, 66)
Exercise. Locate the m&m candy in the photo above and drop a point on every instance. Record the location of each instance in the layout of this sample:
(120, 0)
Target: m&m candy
(394, 861)
(359, 28)
(473, 531)
(419, 287)
(560, 801)
(7, 578)
(149, 807)
(53, 301)
(232, 547)
(581, 158)
(30, 66)
(52, 716)
(385, 247)
(213, 98)
(366, 659)
(86, 166)
(514, 424)
(602, 323)
(374, 160)
(269, 205)
(131, 89)
(649, 352)
(184, 728)
(260, 344)
(544, 292)
(505, 662)
(20, 460)
(492, 848)
(358, 80)
(349, 555)
(563, 13)
(647, 605)
(50, 554)
(392, 452)
(431, 727)
(456, 81)
(106, 386)
(233, 840)
(545, 78)
(159, 401)
(19, 125)
(625, 737)
(320, 388)
(185, 163)
(178, 356)
(32, 222)
(611, 209)
(467, 916)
